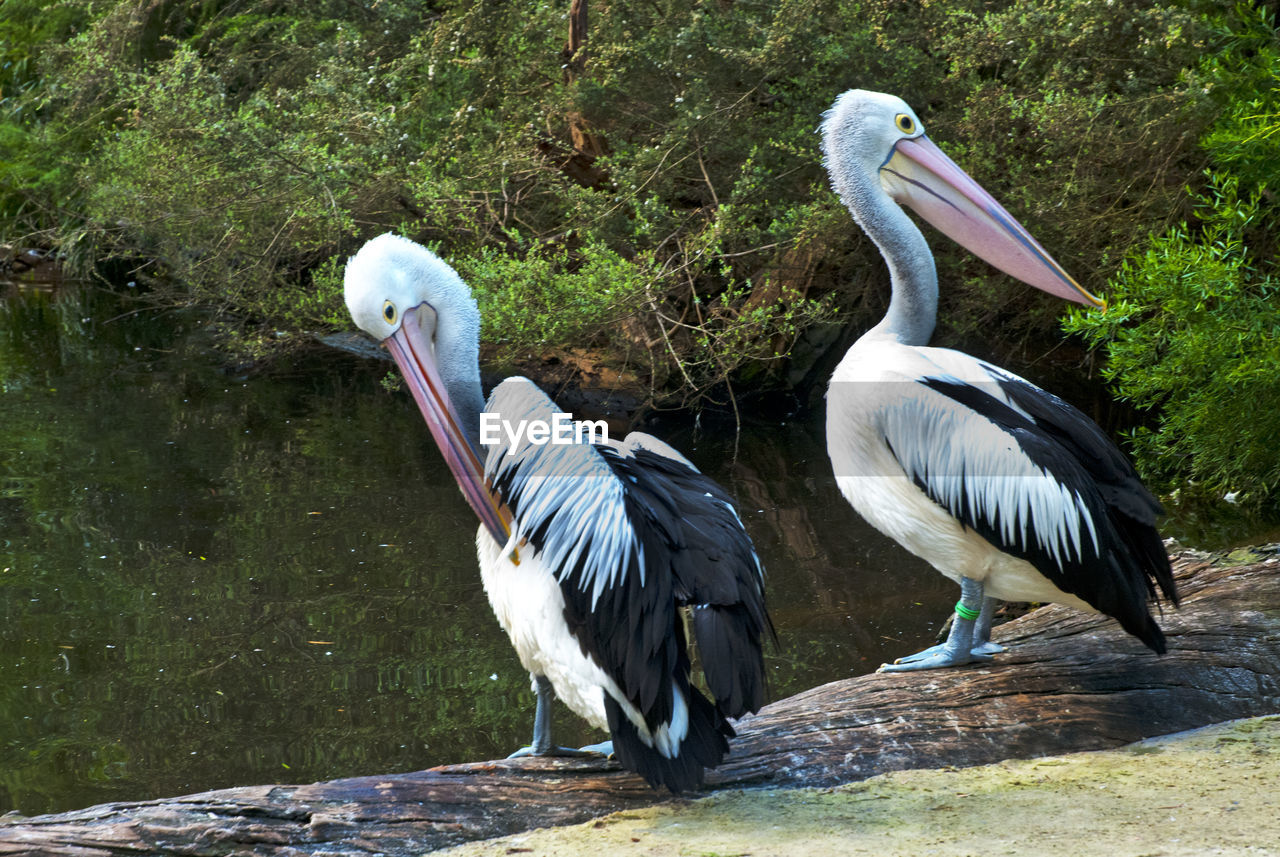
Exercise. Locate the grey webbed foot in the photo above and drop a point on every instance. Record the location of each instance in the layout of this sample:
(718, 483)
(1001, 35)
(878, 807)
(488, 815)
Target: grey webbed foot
(604, 748)
(562, 752)
(939, 656)
(542, 744)
(968, 641)
(933, 658)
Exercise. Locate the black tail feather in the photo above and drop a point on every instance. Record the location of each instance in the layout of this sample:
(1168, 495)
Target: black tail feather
(705, 745)
(729, 645)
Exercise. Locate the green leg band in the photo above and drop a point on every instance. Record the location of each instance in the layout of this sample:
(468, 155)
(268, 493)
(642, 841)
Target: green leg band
(965, 612)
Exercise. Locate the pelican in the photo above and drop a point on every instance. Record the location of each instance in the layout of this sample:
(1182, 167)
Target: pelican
(587, 551)
(1001, 486)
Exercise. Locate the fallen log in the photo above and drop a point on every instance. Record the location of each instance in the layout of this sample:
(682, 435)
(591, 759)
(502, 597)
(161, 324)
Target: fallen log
(1070, 681)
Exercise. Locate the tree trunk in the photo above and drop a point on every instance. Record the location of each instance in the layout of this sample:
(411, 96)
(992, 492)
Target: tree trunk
(585, 144)
(1070, 681)
(575, 54)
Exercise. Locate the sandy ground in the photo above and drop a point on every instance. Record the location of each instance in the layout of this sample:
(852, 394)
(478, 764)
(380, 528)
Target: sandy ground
(1211, 791)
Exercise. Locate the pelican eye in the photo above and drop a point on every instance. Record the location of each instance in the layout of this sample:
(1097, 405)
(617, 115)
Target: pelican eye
(389, 312)
(905, 123)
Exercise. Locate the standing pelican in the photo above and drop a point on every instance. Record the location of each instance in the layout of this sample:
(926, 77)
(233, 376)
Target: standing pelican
(587, 552)
(1002, 487)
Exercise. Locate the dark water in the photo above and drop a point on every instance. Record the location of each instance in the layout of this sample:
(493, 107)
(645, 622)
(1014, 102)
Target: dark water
(211, 580)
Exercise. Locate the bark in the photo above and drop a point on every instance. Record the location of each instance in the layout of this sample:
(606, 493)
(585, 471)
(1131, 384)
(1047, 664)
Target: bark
(575, 54)
(1070, 681)
(578, 163)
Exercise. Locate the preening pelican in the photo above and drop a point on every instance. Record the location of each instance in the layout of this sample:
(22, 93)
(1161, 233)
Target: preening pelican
(1002, 487)
(587, 552)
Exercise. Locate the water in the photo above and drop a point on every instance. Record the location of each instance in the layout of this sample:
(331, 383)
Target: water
(210, 579)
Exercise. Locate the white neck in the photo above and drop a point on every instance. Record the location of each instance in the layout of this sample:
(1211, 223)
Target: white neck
(913, 307)
(458, 356)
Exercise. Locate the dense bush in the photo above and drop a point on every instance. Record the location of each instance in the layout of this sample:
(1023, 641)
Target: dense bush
(658, 198)
(1194, 329)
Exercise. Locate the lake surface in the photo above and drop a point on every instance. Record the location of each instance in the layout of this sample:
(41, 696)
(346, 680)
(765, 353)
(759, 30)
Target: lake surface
(212, 579)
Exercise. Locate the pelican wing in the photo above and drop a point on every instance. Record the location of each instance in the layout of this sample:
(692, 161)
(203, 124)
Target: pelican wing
(566, 502)
(1038, 480)
(691, 525)
(1131, 507)
(629, 533)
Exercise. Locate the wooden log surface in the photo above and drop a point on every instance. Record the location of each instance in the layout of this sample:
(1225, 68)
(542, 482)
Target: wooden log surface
(1070, 681)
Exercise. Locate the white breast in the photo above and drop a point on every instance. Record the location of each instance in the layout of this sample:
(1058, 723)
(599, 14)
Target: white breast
(526, 600)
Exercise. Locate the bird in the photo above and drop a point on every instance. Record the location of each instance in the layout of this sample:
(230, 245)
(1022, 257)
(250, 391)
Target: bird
(999, 485)
(590, 553)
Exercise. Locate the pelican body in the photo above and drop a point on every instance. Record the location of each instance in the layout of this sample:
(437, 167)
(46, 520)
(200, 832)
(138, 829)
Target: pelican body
(587, 552)
(1001, 486)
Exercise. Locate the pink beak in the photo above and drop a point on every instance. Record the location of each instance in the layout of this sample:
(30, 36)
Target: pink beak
(920, 175)
(415, 355)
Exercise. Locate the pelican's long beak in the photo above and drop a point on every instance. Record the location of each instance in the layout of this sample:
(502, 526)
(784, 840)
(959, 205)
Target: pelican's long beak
(920, 175)
(415, 355)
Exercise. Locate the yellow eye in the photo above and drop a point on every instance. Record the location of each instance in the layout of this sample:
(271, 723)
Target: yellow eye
(905, 123)
(389, 312)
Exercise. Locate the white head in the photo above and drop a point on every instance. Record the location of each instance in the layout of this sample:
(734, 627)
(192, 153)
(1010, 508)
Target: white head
(876, 147)
(391, 275)
(407, 297)
(862, 128)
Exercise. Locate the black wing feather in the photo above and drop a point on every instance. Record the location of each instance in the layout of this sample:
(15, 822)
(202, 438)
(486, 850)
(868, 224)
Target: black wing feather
(715, 571)
(688, 549)
(1119, 574)
(1134, 511)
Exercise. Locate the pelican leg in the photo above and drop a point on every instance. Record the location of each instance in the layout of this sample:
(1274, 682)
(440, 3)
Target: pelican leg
(960, 645)
(542, 745)
(982, 644)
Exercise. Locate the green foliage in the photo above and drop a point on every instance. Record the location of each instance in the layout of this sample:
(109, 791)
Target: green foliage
(539, 299)
(35, 178)
(1081, 119)
(174, 179)
(1193, 333)
(231, 149)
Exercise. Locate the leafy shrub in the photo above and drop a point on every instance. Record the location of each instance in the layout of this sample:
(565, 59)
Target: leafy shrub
(172, 179)
(36, 179)
(1193, 333)
(238, 150)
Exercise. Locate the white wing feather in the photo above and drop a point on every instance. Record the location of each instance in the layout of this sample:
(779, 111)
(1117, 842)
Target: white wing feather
(568, 485)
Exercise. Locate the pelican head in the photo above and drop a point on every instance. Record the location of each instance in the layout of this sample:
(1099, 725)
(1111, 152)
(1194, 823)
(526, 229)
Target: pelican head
(871, 135)
(408, 298)
(391, 277)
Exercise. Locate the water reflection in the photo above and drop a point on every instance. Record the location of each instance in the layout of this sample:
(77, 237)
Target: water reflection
(212, 580)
